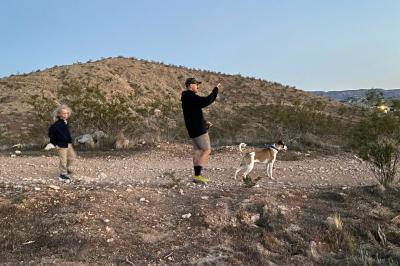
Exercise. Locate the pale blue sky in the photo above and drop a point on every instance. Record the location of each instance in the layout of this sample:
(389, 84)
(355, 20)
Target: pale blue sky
(310, 44)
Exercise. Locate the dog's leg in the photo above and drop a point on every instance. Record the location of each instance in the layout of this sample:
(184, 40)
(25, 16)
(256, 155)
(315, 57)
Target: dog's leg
(270, 169)
(237, 171)
(267, 166)
(250, 166)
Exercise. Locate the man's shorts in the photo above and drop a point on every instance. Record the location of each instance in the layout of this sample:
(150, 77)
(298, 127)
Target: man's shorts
(202, 142)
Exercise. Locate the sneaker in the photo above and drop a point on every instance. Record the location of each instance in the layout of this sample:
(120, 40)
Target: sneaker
(64, 178)
(200, 179)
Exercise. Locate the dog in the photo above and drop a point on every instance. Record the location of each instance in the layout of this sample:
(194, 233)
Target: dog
(266, 155)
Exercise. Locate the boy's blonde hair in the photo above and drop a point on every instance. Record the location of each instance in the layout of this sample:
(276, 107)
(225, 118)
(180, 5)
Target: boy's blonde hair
(59, 109)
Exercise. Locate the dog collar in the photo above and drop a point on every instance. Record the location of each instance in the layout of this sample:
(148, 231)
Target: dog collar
(273, 147)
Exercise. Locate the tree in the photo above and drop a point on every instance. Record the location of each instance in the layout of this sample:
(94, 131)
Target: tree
(376, 139)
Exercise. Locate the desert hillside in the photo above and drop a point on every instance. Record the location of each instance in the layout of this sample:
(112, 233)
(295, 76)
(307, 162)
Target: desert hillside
(248, 108)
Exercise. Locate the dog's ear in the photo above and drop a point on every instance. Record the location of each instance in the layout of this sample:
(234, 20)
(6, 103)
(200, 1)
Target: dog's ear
(280, 142)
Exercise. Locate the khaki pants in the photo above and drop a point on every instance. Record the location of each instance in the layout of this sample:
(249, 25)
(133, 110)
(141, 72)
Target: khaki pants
(67, 157)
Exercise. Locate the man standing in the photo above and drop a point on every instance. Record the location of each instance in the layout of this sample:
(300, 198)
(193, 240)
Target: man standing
(196, 125)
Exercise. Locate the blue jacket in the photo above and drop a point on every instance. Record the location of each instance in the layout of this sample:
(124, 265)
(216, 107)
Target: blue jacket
(59, 134)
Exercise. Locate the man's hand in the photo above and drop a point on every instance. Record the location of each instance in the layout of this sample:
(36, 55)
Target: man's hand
(208, 124)
(219, 86)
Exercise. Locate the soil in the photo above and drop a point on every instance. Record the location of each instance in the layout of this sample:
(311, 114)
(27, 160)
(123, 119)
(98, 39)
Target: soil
(140, 207)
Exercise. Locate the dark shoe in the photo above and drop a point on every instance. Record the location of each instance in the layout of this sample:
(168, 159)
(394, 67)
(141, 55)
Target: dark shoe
(64, 178)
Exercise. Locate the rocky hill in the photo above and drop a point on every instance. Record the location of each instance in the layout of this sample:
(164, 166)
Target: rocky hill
(145, 101)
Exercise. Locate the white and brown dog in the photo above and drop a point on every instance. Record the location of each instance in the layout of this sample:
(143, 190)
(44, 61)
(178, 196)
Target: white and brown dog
(266, 155)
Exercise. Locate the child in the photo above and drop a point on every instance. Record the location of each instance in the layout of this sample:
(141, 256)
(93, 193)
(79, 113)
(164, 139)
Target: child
(60, 137)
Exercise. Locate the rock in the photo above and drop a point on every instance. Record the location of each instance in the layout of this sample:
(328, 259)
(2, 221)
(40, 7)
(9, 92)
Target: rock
(106, 221)
(204, 197)
(186, 216)
(49, 146)
(54, 187)
(85, 139)
(254, 218)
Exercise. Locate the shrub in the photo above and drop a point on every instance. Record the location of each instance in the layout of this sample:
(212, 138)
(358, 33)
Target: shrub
(376, 139)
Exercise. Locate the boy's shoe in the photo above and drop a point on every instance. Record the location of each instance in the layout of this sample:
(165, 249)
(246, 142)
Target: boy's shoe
(200, 179)
(64, 178)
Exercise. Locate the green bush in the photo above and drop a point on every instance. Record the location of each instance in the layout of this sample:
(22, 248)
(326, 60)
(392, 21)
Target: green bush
(376, 139)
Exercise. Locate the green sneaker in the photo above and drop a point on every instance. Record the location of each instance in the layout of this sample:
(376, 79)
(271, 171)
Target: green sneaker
(200, 179)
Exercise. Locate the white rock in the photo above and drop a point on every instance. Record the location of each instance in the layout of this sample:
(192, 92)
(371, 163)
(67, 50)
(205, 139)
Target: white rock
(186, 216)
(54, 187)
(49, 147)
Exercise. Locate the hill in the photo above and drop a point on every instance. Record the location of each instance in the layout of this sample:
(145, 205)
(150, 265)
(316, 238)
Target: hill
(142, 100)
(358, 95)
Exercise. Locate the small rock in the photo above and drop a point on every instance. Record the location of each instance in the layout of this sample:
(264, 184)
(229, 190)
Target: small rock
(110, 240)
(204, 197)
(37, 188)
(106, 221)
(186, 216)
(54, 187)
(18, 152)
(254, 218)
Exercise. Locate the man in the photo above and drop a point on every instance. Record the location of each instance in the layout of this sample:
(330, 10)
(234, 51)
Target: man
(196, 125)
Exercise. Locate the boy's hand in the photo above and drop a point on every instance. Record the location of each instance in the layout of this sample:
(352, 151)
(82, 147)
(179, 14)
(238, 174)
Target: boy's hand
(209, 124)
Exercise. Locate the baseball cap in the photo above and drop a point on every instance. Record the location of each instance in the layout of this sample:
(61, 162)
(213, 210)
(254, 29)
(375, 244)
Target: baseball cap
(192, 81)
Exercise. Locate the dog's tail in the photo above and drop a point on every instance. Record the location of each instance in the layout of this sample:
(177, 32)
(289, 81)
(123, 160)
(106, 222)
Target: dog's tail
(242, 145)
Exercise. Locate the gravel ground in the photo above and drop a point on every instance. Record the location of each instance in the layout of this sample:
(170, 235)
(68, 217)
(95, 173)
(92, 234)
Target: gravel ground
(156, 166)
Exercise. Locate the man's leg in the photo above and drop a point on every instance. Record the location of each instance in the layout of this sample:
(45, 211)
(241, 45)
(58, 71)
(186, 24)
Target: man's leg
(203, 157)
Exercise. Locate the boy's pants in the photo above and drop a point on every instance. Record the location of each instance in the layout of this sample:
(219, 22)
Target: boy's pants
(67, 157)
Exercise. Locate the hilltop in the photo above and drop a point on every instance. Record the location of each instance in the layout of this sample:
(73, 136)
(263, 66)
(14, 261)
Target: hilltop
(247, 109)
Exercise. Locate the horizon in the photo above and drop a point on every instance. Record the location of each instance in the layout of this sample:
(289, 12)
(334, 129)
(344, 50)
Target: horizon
(312, 46)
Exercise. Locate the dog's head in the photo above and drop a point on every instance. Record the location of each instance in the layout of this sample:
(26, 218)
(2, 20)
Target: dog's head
(281, 146)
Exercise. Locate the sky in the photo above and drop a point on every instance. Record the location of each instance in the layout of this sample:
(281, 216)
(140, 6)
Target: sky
(309, 44)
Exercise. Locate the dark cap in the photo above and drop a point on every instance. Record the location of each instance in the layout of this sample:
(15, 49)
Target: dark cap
(192, 81)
